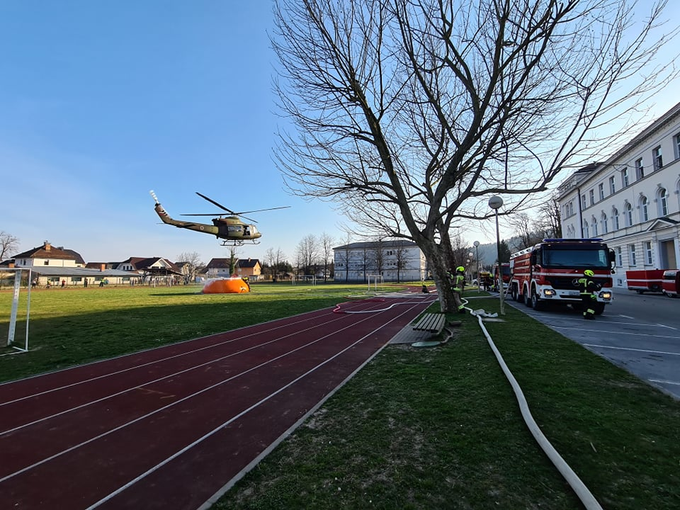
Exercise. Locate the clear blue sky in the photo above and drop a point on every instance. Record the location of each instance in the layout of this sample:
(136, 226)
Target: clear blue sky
(101, 102)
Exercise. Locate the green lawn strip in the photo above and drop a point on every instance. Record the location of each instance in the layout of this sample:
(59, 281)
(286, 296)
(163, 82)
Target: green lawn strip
(440, 428)
(74, 326)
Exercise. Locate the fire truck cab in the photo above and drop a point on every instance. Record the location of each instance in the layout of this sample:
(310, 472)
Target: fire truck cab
(548, 272)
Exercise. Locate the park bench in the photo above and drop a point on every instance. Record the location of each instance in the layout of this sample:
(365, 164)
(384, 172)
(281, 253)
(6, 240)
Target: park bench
(432, 322)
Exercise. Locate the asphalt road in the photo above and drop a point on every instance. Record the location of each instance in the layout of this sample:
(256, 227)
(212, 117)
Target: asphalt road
(639, 332)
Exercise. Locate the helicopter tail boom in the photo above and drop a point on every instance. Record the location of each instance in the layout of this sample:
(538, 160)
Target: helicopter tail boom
(165, 218)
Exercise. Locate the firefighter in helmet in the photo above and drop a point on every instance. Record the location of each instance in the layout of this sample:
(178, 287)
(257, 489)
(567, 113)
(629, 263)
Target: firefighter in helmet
(588, 288)
(458, 284)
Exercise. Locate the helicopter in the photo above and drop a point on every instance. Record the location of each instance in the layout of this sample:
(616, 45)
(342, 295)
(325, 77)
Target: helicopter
(231, 229)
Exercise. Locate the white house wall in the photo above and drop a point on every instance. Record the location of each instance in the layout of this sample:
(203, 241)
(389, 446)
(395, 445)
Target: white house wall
(642, 240)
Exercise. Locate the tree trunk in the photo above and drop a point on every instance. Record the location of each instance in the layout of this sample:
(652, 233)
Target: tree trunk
(438, 257)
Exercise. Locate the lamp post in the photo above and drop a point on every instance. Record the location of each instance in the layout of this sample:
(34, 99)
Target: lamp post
(479, 278)
(496, 202)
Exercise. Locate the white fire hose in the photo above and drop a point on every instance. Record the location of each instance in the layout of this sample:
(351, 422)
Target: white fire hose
(569, 475)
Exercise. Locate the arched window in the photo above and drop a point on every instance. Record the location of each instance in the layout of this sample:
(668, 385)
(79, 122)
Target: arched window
(603, 223)
(615, 219)
(593, 226)
(644, 208)
(663, 201)
(628, 214)
(585, 230)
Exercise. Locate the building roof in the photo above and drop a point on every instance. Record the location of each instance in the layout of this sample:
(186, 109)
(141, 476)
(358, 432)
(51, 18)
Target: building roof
(225, 263)
(47, 251)
(80, 271)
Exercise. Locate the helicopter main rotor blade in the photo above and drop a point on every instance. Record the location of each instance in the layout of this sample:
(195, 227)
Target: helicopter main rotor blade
(206, 214)
(261, 210)
(216, 203)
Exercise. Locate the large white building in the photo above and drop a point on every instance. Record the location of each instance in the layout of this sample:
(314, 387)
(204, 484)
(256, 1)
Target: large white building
(632, 200)
(394, 261)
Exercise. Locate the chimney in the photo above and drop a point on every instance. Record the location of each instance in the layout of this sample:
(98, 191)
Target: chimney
(102, 267)
(47, 246)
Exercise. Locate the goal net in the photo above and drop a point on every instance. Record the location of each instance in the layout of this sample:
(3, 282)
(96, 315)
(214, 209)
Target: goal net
(375, 280)
(15, 309)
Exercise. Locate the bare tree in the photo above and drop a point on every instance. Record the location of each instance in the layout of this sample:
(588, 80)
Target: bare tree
(550, 220)
(528, 230)
(8, 244)
(233, 259)
(343, 255)
(308, 254)
(327, 242)
(193, 264)
(412, 113)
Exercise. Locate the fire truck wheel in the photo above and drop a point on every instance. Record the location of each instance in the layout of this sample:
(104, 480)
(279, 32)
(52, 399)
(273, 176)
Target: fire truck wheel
(536, 302)
(527, 298)
(514, 295)
(599, 308)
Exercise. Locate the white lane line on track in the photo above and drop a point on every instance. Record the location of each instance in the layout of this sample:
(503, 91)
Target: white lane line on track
(231, 420)
(631, 349)
(189, 369)
(135, 367)
(120, 427)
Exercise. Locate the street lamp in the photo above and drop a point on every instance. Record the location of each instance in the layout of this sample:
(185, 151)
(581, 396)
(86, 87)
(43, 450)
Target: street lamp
(496, 202)
(479, 278)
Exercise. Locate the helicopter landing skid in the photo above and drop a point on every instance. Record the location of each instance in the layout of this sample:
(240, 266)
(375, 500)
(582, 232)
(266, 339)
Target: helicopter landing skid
(238, 243)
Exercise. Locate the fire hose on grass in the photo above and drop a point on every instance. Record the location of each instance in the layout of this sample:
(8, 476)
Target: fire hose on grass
(569, 475)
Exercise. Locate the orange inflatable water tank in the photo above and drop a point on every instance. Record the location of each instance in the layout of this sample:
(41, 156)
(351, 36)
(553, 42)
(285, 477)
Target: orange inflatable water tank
(225, 286)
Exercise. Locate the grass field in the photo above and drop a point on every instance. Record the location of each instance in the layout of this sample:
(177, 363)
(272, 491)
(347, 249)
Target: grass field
(416, 428)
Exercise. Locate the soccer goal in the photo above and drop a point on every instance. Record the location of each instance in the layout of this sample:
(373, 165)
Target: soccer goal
(375, 280)
(14, 321)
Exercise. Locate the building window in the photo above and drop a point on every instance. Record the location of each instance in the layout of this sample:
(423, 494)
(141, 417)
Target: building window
(603, 222)
(591, 194)
(676, 138)
(644, 209)
(657, 158)
(624, 177)
(619, 256)
(600, 190)
(571, 208)
(648, 252)
(628, 214)
(639, 169)
(583, 201)
(612, 185)
(663, 202)
(46, 263)
(593, 225)
(615, 219)
(631, 255)
(585, 230)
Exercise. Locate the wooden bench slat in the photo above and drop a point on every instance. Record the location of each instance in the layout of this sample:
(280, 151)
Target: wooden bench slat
(433, 322)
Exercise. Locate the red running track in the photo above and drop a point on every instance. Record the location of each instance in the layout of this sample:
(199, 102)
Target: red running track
(176, 426)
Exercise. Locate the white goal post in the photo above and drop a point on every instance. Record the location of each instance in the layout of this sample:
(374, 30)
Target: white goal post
(375, 278)
(14, 316)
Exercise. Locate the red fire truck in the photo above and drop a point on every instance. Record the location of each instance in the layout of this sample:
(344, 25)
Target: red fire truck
(548, 272)
(505, 271)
